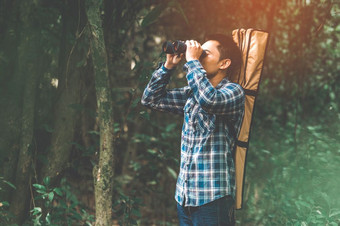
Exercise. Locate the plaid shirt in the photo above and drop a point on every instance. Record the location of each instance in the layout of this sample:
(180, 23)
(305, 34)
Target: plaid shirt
(207, 169)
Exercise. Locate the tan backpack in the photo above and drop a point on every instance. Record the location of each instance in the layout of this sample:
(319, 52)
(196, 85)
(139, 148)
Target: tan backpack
(253, 45)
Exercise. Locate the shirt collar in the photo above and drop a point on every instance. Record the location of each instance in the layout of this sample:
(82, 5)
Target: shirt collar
(222, 83)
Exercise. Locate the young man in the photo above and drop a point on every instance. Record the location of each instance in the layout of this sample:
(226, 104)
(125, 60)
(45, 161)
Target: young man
(213, 109)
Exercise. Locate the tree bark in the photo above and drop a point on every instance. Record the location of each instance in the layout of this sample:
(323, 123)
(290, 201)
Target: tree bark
(72, 67)
(30, 55)
(104, 171)
(11, 91)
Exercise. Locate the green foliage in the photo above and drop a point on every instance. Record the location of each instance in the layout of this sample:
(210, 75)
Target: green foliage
(60, 206)
(5, 184)
(292, 165)
(127, 209)
(5, 215)
(293, 180)
(154, 14)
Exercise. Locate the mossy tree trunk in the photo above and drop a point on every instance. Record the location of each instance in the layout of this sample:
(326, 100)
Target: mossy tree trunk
(103, 172)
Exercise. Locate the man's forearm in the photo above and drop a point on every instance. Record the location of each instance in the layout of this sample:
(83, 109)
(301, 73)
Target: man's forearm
(156, 87)
(226, 100)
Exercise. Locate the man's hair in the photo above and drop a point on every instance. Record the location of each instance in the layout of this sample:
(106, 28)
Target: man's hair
(228, 50)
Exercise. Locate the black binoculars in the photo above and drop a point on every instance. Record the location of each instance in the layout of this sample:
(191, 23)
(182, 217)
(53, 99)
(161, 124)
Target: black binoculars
(176, 47)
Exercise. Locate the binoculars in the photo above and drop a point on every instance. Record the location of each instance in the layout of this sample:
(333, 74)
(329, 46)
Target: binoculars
(176, 47)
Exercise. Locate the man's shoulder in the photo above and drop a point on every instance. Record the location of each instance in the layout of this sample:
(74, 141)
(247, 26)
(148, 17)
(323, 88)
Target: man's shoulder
(232, 86)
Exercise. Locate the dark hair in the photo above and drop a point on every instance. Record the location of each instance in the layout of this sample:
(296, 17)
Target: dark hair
(228, 50)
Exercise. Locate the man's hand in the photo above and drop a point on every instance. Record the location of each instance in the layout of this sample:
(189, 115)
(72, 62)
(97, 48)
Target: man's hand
(172, 60)
(194, 50)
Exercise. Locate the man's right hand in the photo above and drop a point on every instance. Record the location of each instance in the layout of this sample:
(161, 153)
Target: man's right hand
(172, 60)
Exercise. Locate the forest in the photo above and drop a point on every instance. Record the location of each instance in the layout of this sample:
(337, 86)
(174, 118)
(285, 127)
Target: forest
(78, 148)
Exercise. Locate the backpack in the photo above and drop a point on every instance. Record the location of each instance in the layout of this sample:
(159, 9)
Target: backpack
(253, 46)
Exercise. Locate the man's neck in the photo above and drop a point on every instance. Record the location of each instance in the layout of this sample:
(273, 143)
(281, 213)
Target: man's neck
(215, 80)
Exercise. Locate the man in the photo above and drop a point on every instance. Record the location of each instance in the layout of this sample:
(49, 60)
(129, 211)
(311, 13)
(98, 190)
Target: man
(213, 109)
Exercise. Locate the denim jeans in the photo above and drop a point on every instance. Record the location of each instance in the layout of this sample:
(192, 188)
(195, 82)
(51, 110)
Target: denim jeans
(217, 213)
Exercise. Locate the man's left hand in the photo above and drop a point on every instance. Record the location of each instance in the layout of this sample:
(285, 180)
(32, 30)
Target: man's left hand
(194, 50)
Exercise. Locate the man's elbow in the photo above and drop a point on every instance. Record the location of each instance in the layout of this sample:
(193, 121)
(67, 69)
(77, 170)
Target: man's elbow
(144, 101)
(147, 101)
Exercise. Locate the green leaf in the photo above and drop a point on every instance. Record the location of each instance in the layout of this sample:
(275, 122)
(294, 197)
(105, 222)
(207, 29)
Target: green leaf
(152, 151)
(300, 203)
(76, 215)
(93, 132)
(36, 221)
(153, 15)
(334, 213)
(170, 127)
(9, 183)
(47, 181)
(36, 211)
(50, 196)
(145, 115)
(136, 213)
(40, 187)
(172, 172)
(58, 191)
(48, 128)
(152, 182)
(40, 191)
(116, 127)
(48, 218)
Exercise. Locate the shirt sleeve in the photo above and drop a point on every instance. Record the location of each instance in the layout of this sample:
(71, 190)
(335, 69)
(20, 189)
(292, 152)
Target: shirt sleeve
(227, 100)
(157, 97)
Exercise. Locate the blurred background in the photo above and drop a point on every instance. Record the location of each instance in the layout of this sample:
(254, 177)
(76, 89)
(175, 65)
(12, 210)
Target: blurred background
(57, 57)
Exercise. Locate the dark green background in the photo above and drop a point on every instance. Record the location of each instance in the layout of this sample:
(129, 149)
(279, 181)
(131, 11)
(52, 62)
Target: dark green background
(292, 172)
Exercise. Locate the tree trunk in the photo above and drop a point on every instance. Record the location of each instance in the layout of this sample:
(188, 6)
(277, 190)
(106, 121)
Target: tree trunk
(11, 86)
(30, 55)
(72, 67)
(103, 172)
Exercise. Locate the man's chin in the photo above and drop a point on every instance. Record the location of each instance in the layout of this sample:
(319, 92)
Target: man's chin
(209, 76)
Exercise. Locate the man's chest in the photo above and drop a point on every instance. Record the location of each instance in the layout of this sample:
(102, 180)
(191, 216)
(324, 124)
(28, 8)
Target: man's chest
(197, 120)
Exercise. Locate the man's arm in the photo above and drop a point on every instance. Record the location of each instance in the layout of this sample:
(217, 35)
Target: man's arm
(228, 100)
(156, 95)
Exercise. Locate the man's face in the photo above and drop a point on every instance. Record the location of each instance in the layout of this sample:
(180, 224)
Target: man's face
(211, 62)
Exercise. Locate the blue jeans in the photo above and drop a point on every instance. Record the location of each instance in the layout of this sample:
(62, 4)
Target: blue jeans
(217, 213)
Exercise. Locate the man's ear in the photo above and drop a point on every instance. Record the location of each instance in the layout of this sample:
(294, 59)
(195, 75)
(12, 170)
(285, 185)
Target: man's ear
(224, 64)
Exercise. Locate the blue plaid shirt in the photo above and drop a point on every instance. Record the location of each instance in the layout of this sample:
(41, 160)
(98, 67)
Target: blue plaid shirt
(207, 169)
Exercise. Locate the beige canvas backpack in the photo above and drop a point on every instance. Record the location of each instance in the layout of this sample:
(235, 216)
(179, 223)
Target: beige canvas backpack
(253, 45)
